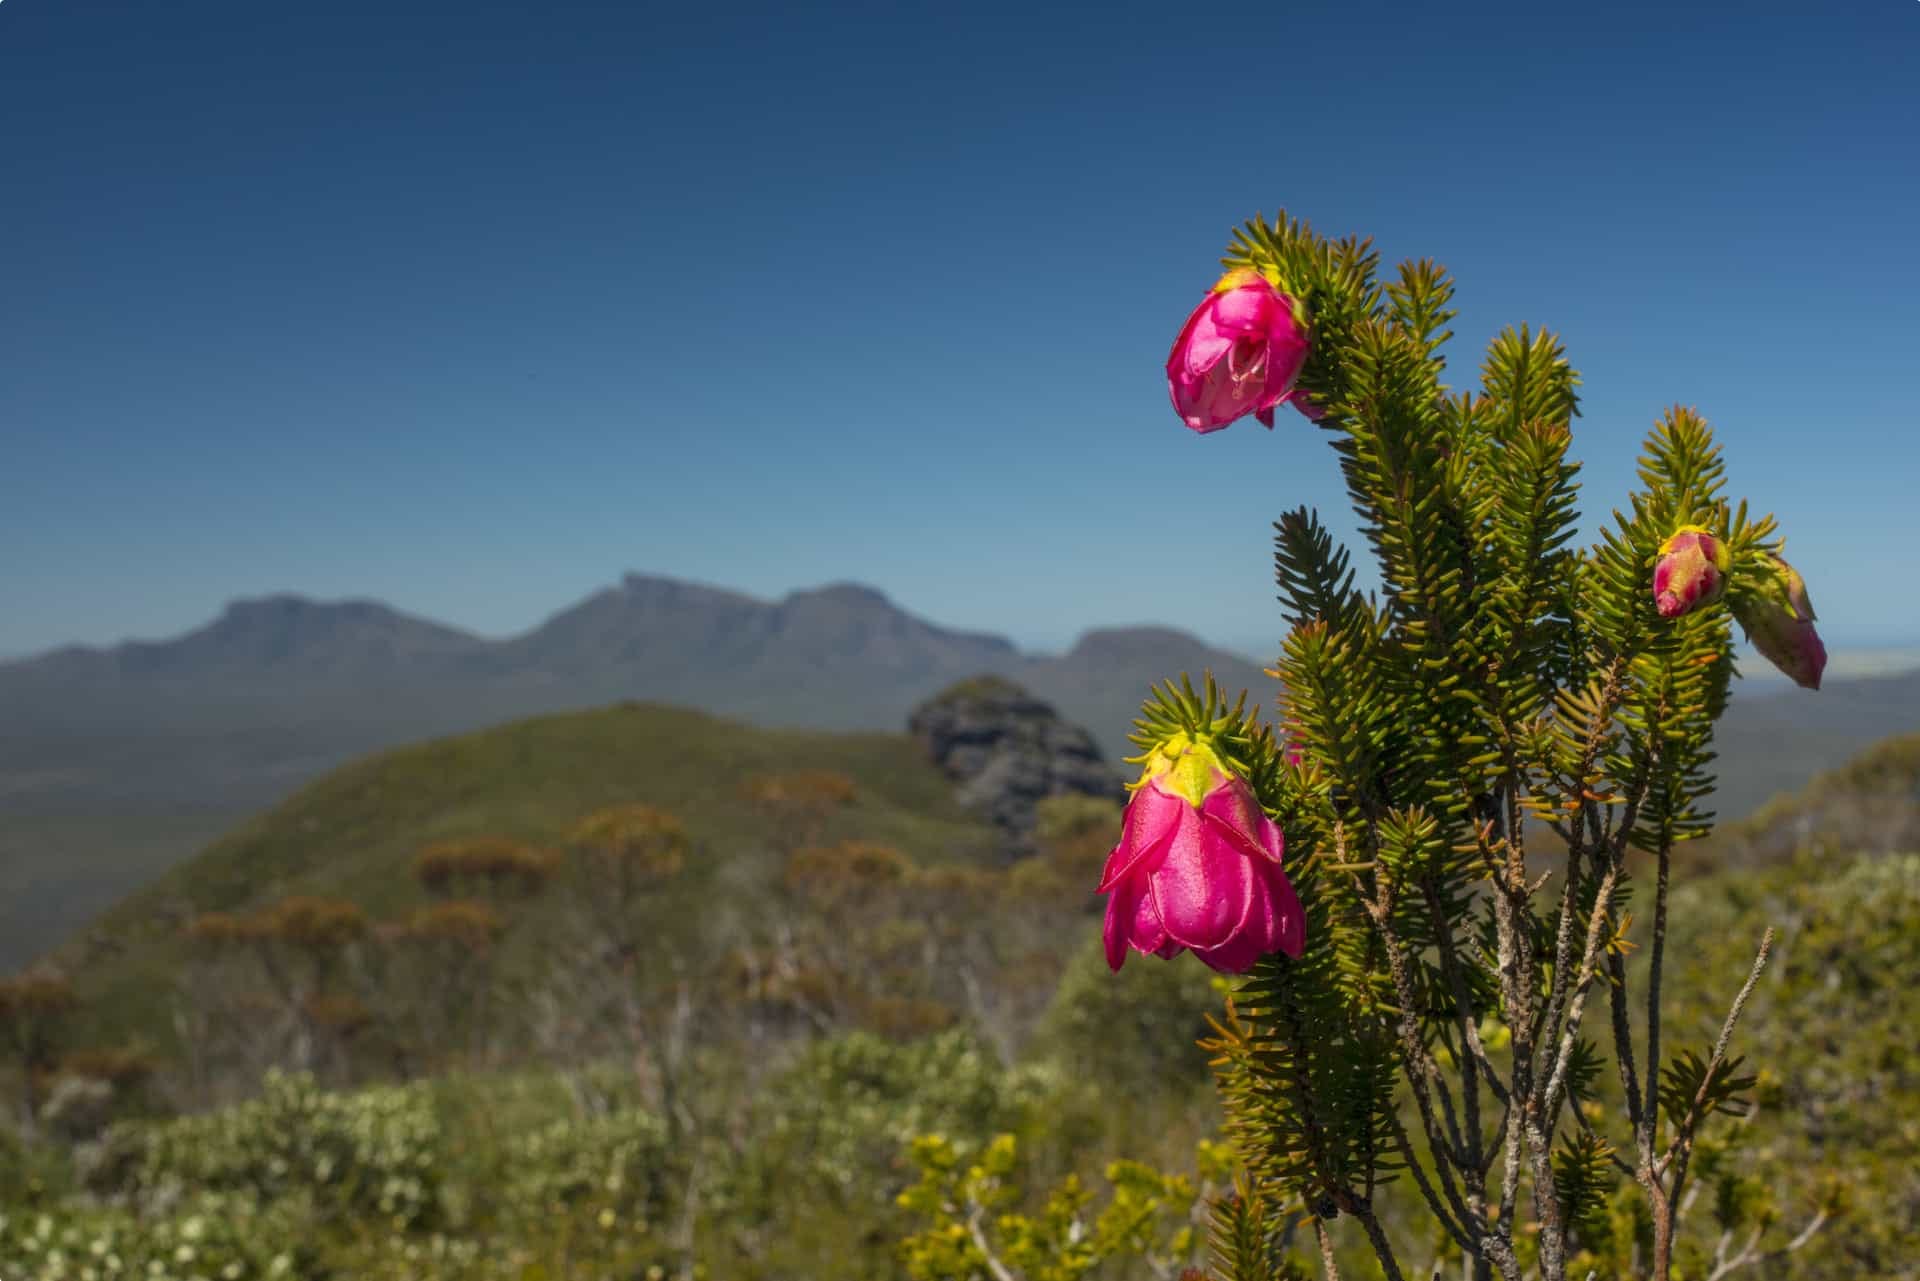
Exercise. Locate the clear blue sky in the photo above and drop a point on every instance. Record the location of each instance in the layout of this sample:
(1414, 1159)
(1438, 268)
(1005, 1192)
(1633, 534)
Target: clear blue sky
(471, 307)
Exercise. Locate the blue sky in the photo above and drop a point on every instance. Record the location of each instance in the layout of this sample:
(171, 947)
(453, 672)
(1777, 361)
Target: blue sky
(472, 307)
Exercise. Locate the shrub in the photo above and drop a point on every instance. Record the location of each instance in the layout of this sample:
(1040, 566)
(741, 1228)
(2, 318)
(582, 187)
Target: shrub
(370, 1152)
(212, 1236)
(599, 1166)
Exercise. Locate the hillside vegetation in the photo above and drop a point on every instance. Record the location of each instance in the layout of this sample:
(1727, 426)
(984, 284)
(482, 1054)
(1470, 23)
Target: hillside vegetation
(1869, 805)
(354, 834)
(802, 1024)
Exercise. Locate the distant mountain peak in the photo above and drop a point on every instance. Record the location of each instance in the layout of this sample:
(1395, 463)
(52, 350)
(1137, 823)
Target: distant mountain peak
(1143, 642)
(284, 606)
(845, 593)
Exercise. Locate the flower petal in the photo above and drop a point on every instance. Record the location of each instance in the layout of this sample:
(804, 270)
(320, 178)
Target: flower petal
(1149, 822)
(1249, 309)
(1201, 889)
(1235, 956)
(1204, 342)
(1236, 816)
(1285, 921)
(1132, 922)
(1113, 930)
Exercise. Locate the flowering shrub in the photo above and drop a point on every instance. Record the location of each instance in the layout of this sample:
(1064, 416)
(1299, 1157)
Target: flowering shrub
(1466, 759)
(606, 1167)
(373, 1152)
(213, 1237)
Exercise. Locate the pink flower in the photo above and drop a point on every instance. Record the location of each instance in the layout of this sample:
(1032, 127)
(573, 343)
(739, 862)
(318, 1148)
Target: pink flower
(1239, 354)
(1692, 571)
(1198, 866)
(1778, 619)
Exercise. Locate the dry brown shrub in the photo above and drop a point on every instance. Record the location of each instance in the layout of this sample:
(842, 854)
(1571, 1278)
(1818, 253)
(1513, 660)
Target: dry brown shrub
(493, 864)
(338, 1013)
(316, 924)
(37, 994)
(849, 869)
(222, 929)
(465, 923)
(123, 1067)
(636, 840)
(905, 1018)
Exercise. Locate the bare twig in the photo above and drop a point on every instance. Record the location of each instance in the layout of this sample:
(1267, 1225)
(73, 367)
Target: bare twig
(1000, 1271)
(1458, 1220)
(1680, 1149)
(1327, 1260)
(1650, 1106)
(1750, 1254)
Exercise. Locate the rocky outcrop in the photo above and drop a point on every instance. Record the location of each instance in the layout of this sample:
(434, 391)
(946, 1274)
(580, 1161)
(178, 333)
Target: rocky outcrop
(1006, 751)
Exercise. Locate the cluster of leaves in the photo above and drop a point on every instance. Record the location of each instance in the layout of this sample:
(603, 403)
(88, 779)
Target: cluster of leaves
(209, 1237)
(605, 1168)
(974, 1223)
(377, 1153)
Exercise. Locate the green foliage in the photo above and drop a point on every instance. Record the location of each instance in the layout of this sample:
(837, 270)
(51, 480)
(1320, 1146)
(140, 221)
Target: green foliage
(605, 1166)
(355, 833)
(1693, 1084)
(973, 1226)
(377, 1152)
(801, 1180)
(1584, 1177)
(1071, 815)
(851, 1100)
(1136, 1032)
(210, 1236)
(1246, 1238)
(1508, 712)
(1833, 1123)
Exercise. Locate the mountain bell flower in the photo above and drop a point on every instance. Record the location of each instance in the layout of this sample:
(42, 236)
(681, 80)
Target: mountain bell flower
(1778, 619)
(1239, 353)
(1691, 572)
(1198, 867)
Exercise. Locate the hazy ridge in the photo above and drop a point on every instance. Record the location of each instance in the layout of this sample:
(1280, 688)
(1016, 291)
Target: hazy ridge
(117, 762)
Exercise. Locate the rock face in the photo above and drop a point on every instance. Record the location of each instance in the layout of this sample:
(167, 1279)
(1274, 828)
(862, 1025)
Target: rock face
(1006, 750)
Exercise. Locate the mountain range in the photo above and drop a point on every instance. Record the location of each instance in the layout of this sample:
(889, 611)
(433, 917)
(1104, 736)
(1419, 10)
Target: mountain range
(837, 657)
(117, 762)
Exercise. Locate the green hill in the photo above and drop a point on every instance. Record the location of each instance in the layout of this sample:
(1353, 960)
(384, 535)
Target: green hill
(354, 833)
(1870, 805)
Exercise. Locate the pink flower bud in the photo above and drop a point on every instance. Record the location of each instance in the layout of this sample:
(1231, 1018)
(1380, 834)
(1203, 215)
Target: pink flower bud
(1198, 866)
(1692, 571)
(1240, 352)
(1778, 619)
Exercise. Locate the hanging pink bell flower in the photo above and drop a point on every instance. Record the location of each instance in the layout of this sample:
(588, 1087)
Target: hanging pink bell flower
(1691, 572)
(1239, 354)
(1198, 867)
(1778, 619)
